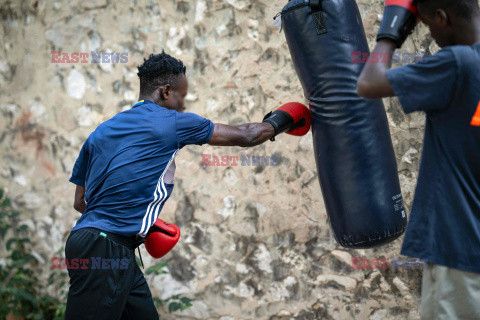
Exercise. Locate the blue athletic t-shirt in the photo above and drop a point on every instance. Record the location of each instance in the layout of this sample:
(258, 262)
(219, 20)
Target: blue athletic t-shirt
(127, 166)
(444, 225)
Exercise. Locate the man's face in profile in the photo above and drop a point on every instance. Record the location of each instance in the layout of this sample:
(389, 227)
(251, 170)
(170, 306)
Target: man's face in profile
(176, 100)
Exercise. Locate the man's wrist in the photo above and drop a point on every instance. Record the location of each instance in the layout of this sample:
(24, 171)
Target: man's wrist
(387, 43)
(269, 129)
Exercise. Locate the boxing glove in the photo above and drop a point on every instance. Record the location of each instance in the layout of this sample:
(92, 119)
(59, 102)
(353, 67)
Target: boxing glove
(399, 19)
(292, 118)
(161, 238)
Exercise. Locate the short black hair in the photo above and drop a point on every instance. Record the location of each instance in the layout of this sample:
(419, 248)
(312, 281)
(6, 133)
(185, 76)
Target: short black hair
(461, 8)
(159, 70)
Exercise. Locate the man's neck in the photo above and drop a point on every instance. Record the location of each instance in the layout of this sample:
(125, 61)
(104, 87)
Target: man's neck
(147, 97)
(151, 98)
(469, 34)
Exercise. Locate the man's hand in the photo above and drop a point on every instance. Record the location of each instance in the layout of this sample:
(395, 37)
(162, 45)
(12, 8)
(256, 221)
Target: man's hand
(399, 20)
(292, 118)
(79, 203)
(161, 238)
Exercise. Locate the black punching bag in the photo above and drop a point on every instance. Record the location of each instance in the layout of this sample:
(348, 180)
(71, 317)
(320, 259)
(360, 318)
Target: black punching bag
(352, 144)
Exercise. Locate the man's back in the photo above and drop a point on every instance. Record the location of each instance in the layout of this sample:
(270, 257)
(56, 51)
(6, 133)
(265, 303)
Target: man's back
(127, 166)
(445, 218)
(444, 226)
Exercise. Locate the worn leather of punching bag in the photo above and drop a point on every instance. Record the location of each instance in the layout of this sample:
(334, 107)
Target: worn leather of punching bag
(352, 144)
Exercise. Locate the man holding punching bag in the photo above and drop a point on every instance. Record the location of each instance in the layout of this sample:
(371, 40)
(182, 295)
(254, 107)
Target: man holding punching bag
(444, 226)
(124, 174)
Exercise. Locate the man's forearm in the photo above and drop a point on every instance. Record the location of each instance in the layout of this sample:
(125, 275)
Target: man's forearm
(384, 49)
(79, 203)
(373, 82)
(244, 135)
(81, 207)
(255, 133)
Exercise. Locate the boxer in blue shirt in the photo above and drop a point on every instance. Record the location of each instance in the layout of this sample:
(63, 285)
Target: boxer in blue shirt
(444, 227)
(124, 174)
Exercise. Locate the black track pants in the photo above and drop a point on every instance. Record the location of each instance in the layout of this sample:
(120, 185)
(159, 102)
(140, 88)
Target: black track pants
(105, 280)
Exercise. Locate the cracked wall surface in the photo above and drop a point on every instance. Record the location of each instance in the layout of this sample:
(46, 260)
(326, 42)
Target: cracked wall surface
(256, 242)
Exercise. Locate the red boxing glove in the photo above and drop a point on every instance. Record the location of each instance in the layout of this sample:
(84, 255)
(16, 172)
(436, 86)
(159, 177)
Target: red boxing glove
(292, 118)
(399, 19)
(161, 238)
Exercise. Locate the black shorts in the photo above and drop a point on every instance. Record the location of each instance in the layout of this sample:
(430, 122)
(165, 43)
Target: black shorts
(105, 280)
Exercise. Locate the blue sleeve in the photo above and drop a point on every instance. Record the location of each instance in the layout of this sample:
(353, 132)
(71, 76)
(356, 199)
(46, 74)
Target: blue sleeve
(192, 129)
(428, 85)
(80, 168)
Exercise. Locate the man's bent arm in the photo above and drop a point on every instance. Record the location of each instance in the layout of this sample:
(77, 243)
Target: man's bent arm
(79, 203)
(245, 135)
(373, 82)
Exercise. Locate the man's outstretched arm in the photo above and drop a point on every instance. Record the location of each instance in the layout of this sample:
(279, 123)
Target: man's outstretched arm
(293, 118)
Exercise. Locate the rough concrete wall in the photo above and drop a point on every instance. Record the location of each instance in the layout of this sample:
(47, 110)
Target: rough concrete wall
(256, 242)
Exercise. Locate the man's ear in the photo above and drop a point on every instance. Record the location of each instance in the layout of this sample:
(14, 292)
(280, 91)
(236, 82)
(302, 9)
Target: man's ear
(166, 91)
(441, 17)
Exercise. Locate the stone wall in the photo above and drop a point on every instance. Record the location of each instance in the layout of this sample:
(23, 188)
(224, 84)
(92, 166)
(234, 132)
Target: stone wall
(256, 242)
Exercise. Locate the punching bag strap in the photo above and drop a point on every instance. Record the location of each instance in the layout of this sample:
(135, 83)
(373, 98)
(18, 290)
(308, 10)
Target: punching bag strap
(316, 6)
